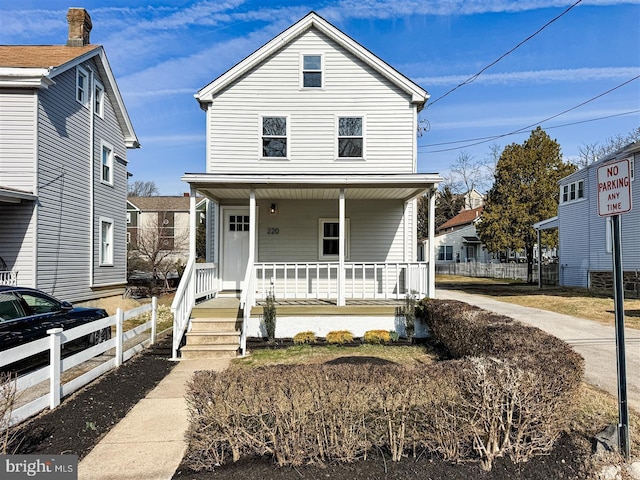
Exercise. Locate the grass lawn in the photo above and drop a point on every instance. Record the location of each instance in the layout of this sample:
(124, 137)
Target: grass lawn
(579, 302)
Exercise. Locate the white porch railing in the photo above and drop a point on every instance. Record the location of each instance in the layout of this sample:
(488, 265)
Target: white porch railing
(199, 280)
(320, 280)
(8, 278)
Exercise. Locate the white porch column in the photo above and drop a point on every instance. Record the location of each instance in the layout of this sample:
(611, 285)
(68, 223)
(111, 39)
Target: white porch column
(193, 223)
(341, 250)
(252, 226)
(431, 288)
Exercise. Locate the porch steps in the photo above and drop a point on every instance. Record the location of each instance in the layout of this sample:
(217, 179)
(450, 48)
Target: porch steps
(215, 330)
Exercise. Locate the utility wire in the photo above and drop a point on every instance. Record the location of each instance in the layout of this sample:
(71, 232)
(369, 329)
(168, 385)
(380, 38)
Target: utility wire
(473, 77)
(520, 130)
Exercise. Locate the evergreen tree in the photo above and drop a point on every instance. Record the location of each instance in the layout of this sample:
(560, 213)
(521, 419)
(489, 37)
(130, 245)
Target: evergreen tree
(525, 191)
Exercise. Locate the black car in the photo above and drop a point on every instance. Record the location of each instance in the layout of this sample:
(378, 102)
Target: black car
(26, 314)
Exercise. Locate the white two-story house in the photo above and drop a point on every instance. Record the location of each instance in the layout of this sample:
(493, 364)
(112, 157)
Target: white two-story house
(64, 135)
(311, 175)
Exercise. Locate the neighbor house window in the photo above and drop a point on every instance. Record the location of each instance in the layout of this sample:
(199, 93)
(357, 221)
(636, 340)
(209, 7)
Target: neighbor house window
(350, 137)
(329, 238)
(106, 242)
(312, 71)
(274, 137)
(82, 85)
(106, 171)
(572, 191)
(98, 100)
(166, 230)
(445, 252)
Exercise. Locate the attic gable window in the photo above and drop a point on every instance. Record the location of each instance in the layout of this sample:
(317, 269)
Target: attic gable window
(274, 137)
(312, 71)
(350, 137)
(82, 86)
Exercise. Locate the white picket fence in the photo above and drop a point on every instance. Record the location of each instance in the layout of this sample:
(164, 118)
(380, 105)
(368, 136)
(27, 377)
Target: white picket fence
(53, 343)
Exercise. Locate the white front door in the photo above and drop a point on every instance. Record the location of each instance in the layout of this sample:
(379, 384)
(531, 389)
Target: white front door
(235, 247)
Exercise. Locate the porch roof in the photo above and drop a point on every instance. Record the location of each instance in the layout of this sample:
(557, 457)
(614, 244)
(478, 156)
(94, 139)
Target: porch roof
(313, 187)
(13, 195)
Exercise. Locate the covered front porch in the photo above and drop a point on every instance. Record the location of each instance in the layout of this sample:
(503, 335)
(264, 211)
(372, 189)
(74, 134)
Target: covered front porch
(307, 238)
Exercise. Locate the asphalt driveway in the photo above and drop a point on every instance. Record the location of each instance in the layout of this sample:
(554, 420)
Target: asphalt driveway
(594, 341)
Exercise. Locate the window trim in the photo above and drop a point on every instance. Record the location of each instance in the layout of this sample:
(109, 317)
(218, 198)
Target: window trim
(287, 137)
(109, 250)
(107, 181)
(98, 93)
(575, 189)
(444, 253)
(81, 72)
(321, 237)
(363, 117)
(303, 71)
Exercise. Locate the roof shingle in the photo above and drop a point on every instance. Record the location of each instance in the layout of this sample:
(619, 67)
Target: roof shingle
(40, 56)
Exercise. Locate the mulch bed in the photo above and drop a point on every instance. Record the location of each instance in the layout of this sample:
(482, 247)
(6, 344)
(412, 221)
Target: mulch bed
(82, 419)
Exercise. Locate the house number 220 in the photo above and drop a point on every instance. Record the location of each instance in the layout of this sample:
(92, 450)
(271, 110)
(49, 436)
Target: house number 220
(273, 231)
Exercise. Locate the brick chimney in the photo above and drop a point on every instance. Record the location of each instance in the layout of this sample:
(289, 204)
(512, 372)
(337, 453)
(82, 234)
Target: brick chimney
(79, 27)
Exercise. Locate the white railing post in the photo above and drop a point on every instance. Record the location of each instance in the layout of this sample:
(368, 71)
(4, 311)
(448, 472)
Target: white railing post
(119, 336)
(55, 345)
(154, 320)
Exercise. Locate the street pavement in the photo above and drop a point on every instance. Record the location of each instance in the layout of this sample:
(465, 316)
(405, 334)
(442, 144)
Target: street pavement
(594, 341)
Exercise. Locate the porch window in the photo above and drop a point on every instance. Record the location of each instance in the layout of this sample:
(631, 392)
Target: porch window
(82, 85)
(350, 137)
(274, 137)
(106, 172)
(106, 242)
(312, 71)
(329, 241)
(445, 252)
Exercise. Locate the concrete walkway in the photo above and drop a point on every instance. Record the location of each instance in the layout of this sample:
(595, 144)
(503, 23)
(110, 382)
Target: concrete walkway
(594, 341)
(149, 442)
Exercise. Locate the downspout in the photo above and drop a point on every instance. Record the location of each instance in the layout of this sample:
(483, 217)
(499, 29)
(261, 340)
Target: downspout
(36, 187)
(92, 167)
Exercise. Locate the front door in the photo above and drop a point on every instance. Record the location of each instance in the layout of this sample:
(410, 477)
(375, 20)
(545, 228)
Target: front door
(235, 247)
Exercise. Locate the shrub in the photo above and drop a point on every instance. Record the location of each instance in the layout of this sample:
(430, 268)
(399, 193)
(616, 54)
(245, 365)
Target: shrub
(377, 336)
(8, 390)
(409, 312)
(393, 335)
(302, 338)
(339, 337)
(269, 315)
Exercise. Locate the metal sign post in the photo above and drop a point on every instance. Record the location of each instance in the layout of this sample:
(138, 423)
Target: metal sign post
(614, 198)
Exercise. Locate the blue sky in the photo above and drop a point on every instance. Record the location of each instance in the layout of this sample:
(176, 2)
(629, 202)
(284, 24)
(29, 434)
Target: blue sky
(163, 53)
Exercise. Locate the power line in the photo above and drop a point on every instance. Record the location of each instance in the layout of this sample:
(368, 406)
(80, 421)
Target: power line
(520, 130)
(546, 128)
(473, 77)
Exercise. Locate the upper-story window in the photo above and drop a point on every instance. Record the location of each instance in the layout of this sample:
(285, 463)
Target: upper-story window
(106, 241)
(572, 191)
(274, 137)
(312, 71)
(106, 172)
(350, 137)
(82, 85)
(98, 99)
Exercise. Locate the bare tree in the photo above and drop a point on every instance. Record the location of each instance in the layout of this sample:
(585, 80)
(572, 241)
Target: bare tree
(468, 174)
(143, 189)
(159, 246)
(590, 152)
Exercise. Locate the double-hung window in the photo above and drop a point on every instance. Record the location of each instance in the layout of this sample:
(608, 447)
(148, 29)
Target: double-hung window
(329, 238)
(311, 71)
(98, 100)
(274, 137)
(106, 242)
(445, 253)
(82, 85)
(106, 170)
(350, 137)
(572, 191)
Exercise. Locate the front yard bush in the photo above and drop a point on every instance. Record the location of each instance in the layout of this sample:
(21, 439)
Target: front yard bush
(508, 390)
(377, 336)
(304, 338)
(339, 337)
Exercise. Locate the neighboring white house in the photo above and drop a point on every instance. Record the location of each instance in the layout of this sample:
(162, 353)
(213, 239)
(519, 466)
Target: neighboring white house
(64, 135)
(585, 238)
(456, 240)
(311, 171)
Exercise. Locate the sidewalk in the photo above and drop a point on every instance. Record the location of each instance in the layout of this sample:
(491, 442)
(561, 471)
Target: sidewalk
(594, 341)
(149, 442)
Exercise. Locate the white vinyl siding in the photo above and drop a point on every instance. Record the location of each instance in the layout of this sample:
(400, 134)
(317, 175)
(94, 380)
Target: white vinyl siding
(18, 240)
(18, 113)
(349, 85)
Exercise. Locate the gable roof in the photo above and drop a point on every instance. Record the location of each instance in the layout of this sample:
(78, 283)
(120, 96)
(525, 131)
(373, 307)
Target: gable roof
(466, 217)
(418, 95)
(36, 66)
